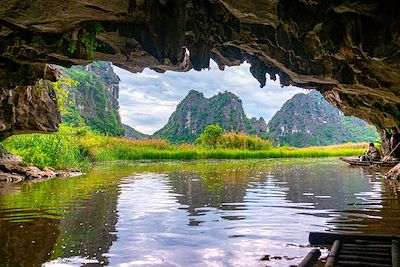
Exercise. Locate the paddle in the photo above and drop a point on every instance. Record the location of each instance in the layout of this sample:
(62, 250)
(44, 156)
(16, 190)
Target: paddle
(391, 151)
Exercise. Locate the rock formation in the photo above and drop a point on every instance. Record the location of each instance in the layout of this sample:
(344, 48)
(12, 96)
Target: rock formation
(195, 112)
(13, 170)
(348, 50)
(92, 97)
(110, 79)
(259, 126)
(309, 120)
(28, 108)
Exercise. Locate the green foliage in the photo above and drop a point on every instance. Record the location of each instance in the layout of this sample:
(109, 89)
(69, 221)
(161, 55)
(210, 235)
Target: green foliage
(140, 149)
(72, 116)
(105, 71)
(76, 147)
(211, 136)
(60, 150)
(244, 141)
(89, 38)
(309, 120)
(86, 36)
(359, 131)
(90, 93)
(63, 88)
(264, 136)
(72, 47)
(195, 112)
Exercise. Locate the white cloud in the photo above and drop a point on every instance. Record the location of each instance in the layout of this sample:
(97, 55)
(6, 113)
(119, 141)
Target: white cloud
(147, 99)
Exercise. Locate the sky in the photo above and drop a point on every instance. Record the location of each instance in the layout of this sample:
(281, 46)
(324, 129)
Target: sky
(147, 99)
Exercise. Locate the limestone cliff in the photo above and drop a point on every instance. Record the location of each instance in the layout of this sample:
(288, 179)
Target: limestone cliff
(28, 108)
(195, 112)
(309, 120)
(346, 49)
(92, 97)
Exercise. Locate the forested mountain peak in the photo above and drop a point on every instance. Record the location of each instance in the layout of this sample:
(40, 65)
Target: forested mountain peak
(195, 112)
(90, 96)
(308, 119)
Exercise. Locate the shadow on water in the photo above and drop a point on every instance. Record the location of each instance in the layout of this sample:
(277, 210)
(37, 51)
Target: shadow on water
(200, 213)
(59, 218)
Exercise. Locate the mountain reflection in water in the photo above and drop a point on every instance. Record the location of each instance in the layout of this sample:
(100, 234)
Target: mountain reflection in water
(201, 213)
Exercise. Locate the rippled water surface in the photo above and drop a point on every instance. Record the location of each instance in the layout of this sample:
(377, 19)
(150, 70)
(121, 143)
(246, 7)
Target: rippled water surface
(201, 213)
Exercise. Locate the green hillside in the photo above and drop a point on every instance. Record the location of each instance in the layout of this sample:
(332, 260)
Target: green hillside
(89, 96)
(195, 112)
(309, 120)
(133, 133)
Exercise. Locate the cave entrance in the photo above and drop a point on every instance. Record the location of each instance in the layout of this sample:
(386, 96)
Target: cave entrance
(151, 103)
(147, 99)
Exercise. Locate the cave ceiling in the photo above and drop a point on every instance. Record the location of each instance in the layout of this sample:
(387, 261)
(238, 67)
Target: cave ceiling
(348, 50)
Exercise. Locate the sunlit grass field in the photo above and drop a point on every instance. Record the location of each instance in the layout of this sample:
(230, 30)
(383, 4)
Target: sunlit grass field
(76, 148)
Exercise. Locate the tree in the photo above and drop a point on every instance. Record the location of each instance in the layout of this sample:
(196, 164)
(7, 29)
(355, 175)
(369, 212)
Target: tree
(211, 136)
(62, 87)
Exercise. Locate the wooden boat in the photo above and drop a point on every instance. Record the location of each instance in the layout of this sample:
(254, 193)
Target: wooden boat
(355, 250)
(356, 161)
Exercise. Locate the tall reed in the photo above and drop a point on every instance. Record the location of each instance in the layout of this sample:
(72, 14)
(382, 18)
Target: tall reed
(74, 147)
(61, 150)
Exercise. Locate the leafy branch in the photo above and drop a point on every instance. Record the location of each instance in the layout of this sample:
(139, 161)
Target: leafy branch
(87, 36)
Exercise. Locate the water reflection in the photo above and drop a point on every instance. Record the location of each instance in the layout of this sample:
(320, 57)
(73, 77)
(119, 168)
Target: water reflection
(372, 210)
(205, 213)
(198, 192)
(27, 243)
(68, 221)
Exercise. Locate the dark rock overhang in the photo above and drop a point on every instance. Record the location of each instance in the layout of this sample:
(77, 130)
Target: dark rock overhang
(348, 50)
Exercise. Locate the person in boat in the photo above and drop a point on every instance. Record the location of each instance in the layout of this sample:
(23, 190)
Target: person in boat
(371, 154)
(394, 143)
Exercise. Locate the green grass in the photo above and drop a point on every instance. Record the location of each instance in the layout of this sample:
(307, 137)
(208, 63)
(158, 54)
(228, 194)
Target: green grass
(76, 148)
(127, 153)
(61, 150)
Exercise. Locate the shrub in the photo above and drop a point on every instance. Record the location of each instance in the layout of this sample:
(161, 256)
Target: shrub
(211, 136)
(244, 141)
(76, 147)
(61, 150)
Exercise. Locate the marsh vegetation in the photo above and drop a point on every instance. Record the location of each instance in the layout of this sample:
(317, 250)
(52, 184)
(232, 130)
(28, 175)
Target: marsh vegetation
(76, 147)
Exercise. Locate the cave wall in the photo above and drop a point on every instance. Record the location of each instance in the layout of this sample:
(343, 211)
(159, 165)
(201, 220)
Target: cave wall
(348, 50)
(27, 109)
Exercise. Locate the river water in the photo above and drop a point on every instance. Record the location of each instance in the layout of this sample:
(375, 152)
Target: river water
(199, 213)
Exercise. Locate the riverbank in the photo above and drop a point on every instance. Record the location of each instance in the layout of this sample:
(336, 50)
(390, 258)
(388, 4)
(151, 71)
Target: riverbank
(76, 148)
(14, 171)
